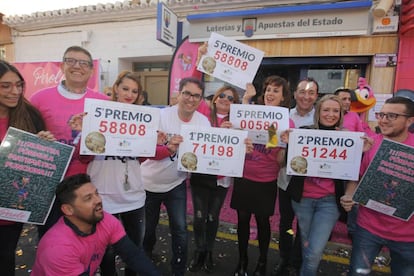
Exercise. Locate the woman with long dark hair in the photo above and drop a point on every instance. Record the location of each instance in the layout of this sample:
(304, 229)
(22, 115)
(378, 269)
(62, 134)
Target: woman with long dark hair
(15, 111)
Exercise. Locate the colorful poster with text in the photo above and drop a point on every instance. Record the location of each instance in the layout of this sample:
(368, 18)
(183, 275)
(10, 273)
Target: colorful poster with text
(388, 184)
(31, 168)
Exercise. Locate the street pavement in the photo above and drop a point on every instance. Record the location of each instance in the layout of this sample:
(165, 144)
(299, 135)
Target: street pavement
(335, 260)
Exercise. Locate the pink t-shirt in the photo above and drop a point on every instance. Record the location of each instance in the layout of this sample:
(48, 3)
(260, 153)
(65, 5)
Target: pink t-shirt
(317, 187)
(56, 111)
(352, 122)
(62, 251)
(261, 165)
(384, 226)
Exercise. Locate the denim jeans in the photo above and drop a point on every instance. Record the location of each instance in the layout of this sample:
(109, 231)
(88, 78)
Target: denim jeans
(366, 246)
(207, 204)
(9, 237)
(317, 218)
(175, 202)
(134, 224)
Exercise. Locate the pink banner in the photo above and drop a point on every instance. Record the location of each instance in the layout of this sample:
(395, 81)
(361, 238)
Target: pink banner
(39, 75)
(183, 64)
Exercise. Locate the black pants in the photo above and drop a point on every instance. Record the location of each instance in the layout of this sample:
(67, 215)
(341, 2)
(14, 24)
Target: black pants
(289, 246)
(243, 233)
(207, 203)
(9, 237)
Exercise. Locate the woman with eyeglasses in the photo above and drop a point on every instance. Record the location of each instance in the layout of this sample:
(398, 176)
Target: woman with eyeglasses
(209, 191)
(15, 111)
(255, 193)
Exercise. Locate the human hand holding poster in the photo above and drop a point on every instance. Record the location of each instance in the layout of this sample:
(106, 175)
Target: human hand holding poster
(324, 153)
(30, 170)
(212, 150)
(112, 128)
(387, 185)
(230, 60)
(259, 120)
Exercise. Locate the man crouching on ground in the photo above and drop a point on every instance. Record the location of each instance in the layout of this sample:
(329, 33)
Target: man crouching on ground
(76, 244)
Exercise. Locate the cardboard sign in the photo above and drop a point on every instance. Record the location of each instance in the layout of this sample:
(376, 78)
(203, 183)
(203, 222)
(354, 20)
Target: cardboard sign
(230, 60)
(325, 153)
(264, 123)
(31, 168)
(212, 150)
(112, 128)
(387, 185)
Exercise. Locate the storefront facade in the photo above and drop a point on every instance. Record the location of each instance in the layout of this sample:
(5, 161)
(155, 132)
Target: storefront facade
(332, 41)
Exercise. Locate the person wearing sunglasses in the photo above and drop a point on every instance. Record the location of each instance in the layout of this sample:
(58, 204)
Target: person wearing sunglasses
(255, 193)
(209, 191)
(374, 229)
(59, 103)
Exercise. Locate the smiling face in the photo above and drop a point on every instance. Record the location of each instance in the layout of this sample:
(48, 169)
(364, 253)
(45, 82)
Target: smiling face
(273, 95)
(395, 129)
(223, 101)
(330, 113)
(305, 95)
(11, 90)
(127, 91)
(76, 76)
(189, 100)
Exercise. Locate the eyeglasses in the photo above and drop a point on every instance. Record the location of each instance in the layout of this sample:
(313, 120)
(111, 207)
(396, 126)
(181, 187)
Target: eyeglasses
(7, 86)
(222, 96)
(389, 116)
(82, 63)
(187, 95)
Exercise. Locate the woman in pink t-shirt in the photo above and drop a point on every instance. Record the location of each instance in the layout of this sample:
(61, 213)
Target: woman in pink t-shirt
(255, 193)
(17, 112)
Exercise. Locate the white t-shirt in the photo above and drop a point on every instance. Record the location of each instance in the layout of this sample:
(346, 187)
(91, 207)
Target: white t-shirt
(160, 176)
(299, 120)
(108, 175)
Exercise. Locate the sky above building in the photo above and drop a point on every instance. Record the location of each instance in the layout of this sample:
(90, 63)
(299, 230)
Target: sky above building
(19, 7)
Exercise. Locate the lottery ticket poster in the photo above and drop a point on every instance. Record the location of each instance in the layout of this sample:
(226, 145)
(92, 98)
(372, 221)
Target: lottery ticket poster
(119, 129)
(387, 185)
(264, 123)
(324, 153)
(212, 150)
(230, 60)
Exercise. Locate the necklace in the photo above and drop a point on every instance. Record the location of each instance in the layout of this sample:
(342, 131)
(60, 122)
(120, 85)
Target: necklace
(127, 186)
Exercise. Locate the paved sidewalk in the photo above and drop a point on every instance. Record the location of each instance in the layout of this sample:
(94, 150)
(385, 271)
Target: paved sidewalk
(335, 261)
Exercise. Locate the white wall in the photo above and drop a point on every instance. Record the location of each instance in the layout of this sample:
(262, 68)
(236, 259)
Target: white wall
(115, 44)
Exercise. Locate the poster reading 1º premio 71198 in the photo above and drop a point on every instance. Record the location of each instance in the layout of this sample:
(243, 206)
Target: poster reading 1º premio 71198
(30, 170)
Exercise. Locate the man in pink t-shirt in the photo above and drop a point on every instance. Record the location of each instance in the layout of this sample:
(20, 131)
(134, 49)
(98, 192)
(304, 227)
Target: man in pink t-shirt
(76, 244)
(58, 104)
(374, 229)
(352, 122)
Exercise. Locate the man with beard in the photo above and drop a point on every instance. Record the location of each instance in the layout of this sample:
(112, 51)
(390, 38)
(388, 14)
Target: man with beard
(374, 229)
(76, 244)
